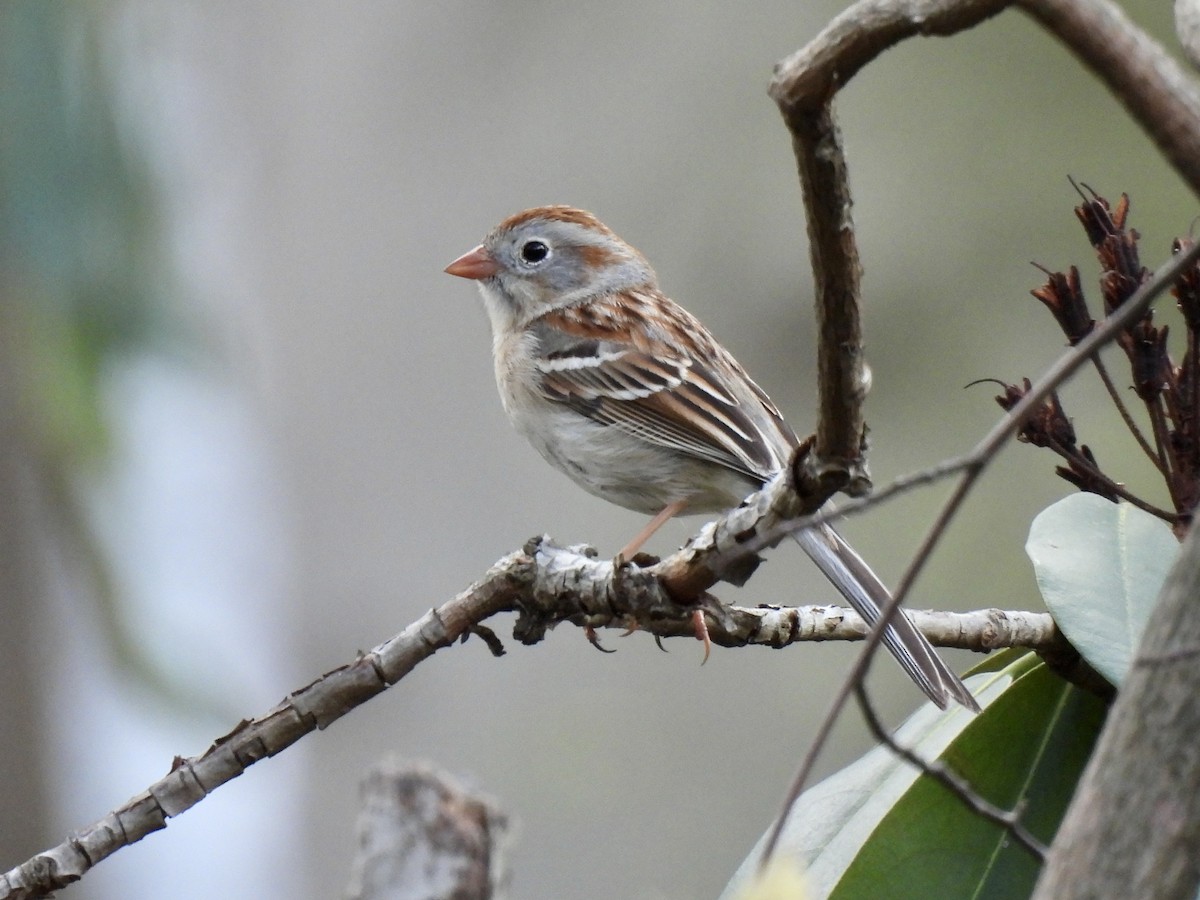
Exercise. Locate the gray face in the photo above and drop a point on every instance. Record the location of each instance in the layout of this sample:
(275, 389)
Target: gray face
(546, 264)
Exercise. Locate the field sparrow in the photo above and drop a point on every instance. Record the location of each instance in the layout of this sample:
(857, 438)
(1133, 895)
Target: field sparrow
(627, 393)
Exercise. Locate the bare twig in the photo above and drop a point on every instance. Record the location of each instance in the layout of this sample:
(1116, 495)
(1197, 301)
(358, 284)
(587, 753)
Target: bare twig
(1126, 417)
(1115, 487)
(1162, 439)
(836, 457)
(981, 630)
(807, 79)
(315, 706)
(546, 585)
(1156, 91)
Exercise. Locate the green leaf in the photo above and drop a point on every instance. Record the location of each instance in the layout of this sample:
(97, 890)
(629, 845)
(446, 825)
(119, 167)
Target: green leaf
(876, 829)
(1028, 749)
(1100, 567)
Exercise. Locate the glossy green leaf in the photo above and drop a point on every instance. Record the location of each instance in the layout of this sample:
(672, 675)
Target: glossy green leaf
(876, 829)
(1100, 567)
(1027, 749)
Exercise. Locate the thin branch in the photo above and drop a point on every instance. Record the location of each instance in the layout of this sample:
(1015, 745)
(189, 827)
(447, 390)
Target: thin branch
(842, 376)
(308, 709)
(806, 80)
(727, 548)
(981, 630)
(1162, 439)
(1126, 417)
(546, 585)
(1009, 820)
(1157, 92)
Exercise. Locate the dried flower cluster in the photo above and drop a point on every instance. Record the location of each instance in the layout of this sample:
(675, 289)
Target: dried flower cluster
(1170, 393)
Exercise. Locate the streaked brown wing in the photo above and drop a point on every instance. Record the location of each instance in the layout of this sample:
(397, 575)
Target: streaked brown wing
(677, 403)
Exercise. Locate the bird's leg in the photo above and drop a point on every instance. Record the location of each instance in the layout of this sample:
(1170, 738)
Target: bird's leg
(670, 511)
(629, 551)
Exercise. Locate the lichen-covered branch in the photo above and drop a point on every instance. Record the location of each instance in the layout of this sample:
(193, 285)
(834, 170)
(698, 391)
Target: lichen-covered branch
(545, 585)
(575, 588)
(310, 708)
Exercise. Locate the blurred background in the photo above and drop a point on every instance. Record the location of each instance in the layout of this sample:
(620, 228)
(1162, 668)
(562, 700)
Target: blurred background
(248, 427)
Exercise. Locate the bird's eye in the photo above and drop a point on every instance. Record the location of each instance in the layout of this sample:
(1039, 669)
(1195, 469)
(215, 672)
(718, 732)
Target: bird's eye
(534, 251)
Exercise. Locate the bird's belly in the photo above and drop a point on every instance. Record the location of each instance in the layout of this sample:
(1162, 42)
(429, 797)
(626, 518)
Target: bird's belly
(630, 471)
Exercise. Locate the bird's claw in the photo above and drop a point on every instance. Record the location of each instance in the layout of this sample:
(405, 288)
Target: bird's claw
(590, 633)
(702, 632)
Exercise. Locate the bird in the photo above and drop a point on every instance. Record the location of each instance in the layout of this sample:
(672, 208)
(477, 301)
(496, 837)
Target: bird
(626, 392)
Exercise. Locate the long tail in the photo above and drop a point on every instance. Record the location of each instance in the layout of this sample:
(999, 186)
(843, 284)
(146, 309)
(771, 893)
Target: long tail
(867, 594)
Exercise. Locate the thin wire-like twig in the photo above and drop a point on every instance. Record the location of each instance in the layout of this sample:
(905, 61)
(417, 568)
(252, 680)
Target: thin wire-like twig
(1162, 439)
(1126, 417)
(1009, 820)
